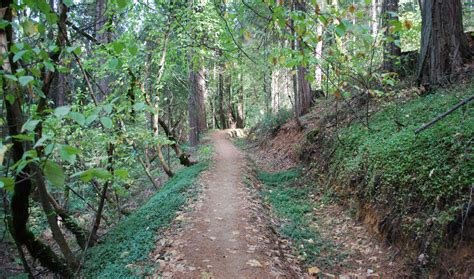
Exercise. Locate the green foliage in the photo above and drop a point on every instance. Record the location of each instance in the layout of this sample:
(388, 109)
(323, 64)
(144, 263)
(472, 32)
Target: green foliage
(293, 206)
(414, 178)
(131, 241)
(273, 122)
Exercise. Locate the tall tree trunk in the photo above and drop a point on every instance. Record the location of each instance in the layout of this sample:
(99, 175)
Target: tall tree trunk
(392, 51)
(240, 104)
(220, 90)
(374, 17)
(201, 93)
(444, 46)
(230, 117)
(59, 86)
(304, 100)
(197, 104)
(103, 36)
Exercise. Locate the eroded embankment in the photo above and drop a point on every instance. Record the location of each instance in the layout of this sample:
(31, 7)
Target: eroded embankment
(412, 190)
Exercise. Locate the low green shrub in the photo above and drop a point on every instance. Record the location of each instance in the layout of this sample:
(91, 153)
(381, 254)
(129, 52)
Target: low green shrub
(273, 122)
(418, 183)
(132, 240)
(293, 206)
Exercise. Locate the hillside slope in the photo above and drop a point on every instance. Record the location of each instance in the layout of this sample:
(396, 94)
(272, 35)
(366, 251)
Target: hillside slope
(414, 190)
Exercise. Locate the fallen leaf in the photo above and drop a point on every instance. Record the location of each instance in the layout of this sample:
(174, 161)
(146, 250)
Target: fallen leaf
(314, 270)
(254, 263)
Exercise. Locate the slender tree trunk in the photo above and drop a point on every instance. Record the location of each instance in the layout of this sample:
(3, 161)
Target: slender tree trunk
(374, 17)
(229, 115)
(392, 50)
(240, 104)
(221, 97)
(103, 36)
(58, 236)
(159, 152)
(193, 111)
(444, 46)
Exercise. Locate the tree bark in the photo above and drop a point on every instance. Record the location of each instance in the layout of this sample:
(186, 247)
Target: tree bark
(374, 17)
(304, 100)
(240, 123)
(230, 118)
(220, 90)
(197, 105)
(103, 36)
(444, 46)
(391, 50)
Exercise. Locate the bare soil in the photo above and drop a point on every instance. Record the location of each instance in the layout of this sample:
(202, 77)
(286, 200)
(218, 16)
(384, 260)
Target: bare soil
(227, 234)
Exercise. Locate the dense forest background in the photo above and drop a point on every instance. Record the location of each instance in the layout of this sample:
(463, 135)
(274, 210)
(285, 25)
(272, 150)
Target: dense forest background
(103, 101)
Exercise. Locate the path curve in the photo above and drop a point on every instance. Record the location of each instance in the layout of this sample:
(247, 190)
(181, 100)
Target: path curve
(224, 236)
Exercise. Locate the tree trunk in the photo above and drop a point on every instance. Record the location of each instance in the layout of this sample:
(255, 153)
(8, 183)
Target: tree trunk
(374, 17)
(444, 46)
(228, 91)
(222, 117)
(159, 152)
(240, 104)
(392, 51)
(103, 36)
(304, 100)
(193, 111)
(197, 104)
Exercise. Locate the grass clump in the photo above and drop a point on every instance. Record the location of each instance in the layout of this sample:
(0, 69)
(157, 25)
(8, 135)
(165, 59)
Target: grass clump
(293, 206)
(132, 240)
(417, 183)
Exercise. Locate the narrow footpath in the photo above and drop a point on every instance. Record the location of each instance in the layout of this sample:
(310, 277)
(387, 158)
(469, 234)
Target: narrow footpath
(225, 235)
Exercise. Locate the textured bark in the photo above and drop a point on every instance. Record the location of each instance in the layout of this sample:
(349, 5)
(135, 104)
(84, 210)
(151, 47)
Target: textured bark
(222, 118)
(444, 46)
(374, 16)
(197, 105)
(240, 123)
(391, 50)
(59, 83)
(303, 99)
(231, 123)
(103, 35)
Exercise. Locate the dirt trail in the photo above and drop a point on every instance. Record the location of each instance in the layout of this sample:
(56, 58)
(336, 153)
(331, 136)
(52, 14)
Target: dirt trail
(224, 236)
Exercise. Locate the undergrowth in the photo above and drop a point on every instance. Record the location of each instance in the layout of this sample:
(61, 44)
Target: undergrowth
(293, 207)
(418, 183)
(271, 123)
(132, 240)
